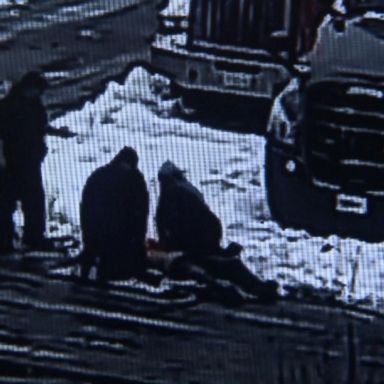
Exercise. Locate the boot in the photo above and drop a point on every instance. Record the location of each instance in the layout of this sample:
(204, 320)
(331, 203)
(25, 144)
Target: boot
(232, 250)
(267, 291)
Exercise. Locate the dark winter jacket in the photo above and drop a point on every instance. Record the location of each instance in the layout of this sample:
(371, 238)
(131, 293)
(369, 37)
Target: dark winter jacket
(114, 208)
(23, 125)
(184, 221)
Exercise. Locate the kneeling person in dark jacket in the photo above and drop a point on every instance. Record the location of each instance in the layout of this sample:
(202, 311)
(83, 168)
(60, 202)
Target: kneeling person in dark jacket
(186, 223)
(114, 214)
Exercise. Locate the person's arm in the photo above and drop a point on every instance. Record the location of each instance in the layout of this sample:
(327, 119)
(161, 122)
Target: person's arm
(64, 132)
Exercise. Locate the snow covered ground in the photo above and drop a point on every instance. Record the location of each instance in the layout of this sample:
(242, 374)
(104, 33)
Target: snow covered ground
(177, 8)
(227, 167)
(7, 3)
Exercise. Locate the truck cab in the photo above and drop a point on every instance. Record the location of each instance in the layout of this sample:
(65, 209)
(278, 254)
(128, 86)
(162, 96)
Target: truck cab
(325, 146)
(238, 51)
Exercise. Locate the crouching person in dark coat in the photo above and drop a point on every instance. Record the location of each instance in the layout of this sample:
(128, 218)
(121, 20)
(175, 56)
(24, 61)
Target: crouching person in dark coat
(185, 223)
(114, 214)
(23, 126)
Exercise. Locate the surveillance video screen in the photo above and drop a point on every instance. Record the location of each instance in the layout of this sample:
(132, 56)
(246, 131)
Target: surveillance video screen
(191, 192)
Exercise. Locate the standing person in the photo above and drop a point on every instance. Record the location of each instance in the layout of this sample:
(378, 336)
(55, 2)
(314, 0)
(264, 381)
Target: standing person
(23, 126)
(114, 214)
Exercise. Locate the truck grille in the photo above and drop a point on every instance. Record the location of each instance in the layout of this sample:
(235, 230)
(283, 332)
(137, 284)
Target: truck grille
(345, 135)
(235, 22)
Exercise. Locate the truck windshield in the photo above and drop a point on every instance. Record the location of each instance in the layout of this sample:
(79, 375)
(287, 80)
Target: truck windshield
(366, 4)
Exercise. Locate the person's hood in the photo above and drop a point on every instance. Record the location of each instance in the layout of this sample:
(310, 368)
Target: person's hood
(170, 175)
(169, 171)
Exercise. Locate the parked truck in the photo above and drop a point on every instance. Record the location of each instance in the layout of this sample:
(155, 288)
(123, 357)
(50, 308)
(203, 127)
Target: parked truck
(325, 145)
(234, 52)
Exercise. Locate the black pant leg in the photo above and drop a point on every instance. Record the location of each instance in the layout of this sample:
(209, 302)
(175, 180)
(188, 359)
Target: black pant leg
(33, 205)
(7, 208)
(233, 269)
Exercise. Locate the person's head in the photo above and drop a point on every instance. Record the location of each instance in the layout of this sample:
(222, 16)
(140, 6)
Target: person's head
(169, 172)
(128, 157)
(32, 85)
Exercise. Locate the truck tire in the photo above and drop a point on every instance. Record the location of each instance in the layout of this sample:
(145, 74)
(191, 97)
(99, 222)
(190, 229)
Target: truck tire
(294, 202)
(185, 109)
(291, 200)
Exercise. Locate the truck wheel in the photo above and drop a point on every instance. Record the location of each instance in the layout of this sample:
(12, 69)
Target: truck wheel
(295, 203)
(185, 109)
(291, 202)
(185, 105)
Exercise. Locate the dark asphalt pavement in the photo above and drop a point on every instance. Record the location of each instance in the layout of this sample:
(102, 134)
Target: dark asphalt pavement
(54, 329)
(78, 45)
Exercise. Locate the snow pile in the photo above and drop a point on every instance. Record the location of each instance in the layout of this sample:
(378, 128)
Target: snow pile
(115, 119)
(177, 8)
(227, 167)
(12, 3)
(8, 3)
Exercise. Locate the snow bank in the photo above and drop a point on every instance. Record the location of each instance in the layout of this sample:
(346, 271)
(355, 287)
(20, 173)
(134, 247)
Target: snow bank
(227, 167)
(177, 8)
(103, 127)
(7, 3)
